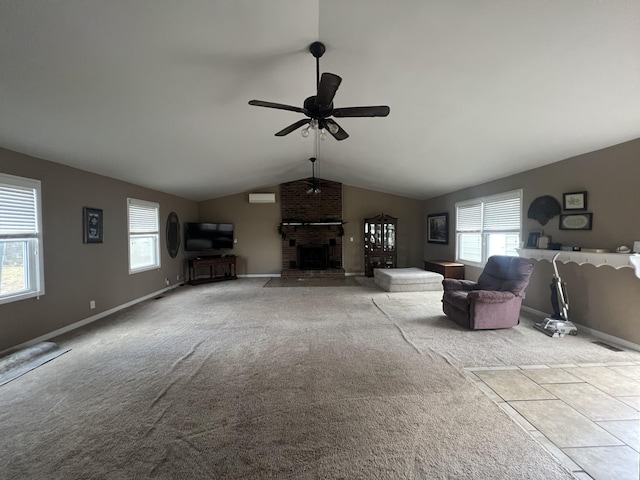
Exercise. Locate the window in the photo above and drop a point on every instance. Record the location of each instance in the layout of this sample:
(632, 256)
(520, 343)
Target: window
(21, 265)
(144, 235)
(488, 226)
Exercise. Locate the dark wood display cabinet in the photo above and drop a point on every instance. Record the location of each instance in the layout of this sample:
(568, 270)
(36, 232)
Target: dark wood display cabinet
(380, 243)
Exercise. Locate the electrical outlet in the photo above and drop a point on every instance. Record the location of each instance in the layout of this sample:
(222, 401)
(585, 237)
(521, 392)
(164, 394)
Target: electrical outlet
(167, 282)
(178, 277)
(92, 304)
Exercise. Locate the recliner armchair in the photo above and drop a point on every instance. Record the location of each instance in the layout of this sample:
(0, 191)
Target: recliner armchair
(494, 300)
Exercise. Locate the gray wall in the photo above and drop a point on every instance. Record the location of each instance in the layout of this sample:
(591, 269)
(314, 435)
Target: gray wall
(359, 203)
(258, 249)
(601, 298)
(76, 273)
(258, 246)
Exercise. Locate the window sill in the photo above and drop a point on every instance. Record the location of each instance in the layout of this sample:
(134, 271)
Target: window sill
(144, 269)
(20, 296)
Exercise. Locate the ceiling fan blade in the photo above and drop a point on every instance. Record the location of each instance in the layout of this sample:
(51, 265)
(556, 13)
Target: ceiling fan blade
(279, 106)
(340, 134)
(292, 127)
(377, 111)
(327, 89)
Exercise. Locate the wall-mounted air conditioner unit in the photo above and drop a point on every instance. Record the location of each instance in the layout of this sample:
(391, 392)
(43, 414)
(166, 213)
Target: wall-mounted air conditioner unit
(262, 198)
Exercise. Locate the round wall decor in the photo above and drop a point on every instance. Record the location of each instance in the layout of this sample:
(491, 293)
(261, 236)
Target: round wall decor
(173, 234)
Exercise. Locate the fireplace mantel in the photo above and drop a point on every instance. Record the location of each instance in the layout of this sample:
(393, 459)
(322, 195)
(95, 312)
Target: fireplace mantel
(297, 223)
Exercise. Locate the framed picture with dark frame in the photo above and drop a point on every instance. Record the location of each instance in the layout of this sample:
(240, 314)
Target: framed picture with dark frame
(92, 225)
(438, 228)
(576, 221)
(574, 201)
(532, 239)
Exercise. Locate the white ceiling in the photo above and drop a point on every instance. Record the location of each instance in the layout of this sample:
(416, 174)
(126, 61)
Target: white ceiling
(155, 92)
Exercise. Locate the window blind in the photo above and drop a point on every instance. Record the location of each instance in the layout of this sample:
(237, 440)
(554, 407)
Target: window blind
(469, 218)
(143, 218)
(18, 211)
(502, 215)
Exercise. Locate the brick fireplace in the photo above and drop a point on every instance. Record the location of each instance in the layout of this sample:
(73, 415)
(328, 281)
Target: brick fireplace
(311, 229)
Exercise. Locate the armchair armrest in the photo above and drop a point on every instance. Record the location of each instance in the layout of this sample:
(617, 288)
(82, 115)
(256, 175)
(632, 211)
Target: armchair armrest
(490, 296)
(454, 284)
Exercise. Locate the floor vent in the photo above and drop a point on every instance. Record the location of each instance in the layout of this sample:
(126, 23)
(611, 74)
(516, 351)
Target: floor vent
(610, 347)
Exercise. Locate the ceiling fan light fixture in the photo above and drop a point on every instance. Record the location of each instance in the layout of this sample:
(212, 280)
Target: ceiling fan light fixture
(323, 134)
(305, 131)
(333, 128)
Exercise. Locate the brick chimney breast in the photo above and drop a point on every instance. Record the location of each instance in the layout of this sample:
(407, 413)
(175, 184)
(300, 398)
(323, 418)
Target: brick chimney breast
(305, 210)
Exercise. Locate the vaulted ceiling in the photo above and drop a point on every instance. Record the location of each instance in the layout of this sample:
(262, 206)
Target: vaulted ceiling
(155, 92)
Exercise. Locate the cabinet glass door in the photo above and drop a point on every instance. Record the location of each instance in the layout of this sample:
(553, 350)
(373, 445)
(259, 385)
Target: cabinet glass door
(390, 236)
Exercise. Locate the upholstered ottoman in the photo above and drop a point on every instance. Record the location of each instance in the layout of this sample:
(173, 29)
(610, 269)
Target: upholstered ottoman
(407, 280)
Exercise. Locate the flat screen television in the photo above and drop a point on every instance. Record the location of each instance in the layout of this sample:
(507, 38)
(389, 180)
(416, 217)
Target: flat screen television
(208, 236)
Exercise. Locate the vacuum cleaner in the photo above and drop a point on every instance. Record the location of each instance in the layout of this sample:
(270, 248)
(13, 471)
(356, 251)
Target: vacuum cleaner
(558, 325)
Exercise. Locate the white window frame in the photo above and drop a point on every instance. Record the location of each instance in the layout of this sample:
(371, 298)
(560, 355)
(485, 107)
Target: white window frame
(481, 229)
(152, 231)
(30, 234)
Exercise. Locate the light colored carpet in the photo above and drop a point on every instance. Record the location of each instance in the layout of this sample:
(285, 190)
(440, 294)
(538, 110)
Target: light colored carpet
(312, 282)
(18, 363)
(232, 380)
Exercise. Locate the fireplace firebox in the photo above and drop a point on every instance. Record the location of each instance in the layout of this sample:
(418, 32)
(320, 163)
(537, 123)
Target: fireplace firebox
(313, 256)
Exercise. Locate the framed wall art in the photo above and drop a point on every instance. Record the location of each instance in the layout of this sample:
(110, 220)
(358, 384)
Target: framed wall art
(438, 228)
(576, 221)
(574, 201)
(92, 223)
(532, 239)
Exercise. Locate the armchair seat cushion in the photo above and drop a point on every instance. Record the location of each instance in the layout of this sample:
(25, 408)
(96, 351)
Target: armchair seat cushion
(458, 299)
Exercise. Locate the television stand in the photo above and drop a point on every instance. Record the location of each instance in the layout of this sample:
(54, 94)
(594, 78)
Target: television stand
(219, 269)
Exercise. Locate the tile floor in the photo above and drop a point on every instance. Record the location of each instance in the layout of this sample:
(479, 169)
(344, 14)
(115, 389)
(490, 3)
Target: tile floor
(586, 415)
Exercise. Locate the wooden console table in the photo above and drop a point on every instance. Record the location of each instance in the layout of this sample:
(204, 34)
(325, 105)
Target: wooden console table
(220, 268)
(447, 269)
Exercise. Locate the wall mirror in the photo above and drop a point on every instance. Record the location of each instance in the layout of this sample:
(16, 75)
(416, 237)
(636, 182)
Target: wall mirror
(173, 234)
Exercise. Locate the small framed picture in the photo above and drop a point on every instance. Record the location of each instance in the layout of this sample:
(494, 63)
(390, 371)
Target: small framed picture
(574, 201)
(92, 223)
(576, 221)
(532, 239)
(438, 228)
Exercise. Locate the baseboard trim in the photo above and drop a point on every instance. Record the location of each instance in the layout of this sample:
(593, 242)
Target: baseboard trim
(596, 333)
(86, 321)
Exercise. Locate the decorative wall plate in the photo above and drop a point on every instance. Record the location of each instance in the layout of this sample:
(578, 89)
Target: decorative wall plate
(576, 221)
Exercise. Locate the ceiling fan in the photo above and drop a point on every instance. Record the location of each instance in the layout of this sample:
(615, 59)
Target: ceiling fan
(319, 107)
(313, 182)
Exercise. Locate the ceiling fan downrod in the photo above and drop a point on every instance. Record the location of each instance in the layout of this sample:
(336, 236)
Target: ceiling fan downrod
(317, 49)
